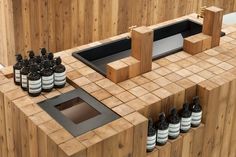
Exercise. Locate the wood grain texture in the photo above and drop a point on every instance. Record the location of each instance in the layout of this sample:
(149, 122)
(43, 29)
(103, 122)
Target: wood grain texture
(58, 25)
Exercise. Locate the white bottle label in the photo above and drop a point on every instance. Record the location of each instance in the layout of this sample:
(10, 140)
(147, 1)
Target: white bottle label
(196, 118)
(47, 82)
(185, 123)
(162, 135)
(58, 83)
(151, 142)
(60, 74)
(17, 75)
(24, 81)
(174, 130)
(35, 86)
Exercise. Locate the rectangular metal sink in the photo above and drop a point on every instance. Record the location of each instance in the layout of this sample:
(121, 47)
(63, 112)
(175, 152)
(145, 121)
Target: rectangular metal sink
(78, 112)
(167, 40)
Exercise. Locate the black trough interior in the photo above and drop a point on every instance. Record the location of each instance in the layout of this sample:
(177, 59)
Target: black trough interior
(167, 40)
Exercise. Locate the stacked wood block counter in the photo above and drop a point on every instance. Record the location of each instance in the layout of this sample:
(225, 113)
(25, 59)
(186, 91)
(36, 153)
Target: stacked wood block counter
(28, 131)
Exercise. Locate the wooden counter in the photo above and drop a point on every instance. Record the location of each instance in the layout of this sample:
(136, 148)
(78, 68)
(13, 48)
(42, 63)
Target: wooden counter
(28, 131)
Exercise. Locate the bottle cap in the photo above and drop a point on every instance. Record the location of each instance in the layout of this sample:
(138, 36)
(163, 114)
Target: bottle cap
(19, 57)
(31, 54)
(162, 116)
(173, 111)
(50, 56)
(43, 51)
(58, 60)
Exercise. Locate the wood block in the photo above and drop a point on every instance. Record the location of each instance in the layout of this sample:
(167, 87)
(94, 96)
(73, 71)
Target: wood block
(142, 47)
(140, 133)
(101, 94)
(212, 24)
(55, 139)
(34, 121)
(114, 89)
(17, 105)
(139, 106)
(92, 142)
(117, 71)
(229, 127)
(193, 45)
(3, 79)
(165, 150)
(44, 130)
(187, 148)
(123, 109)
(190, 89)
(7, 71)
(8, 98)
(72, 148)
(6, 87)
(197, 143)
(111, 102)
(128, 84)
(206, 41)
(109, 140)
(25, 112)
(176, 147)
(134, 66)
(125, 136)
(153, 104)
(167, 99)
(178, 94)
(209, 94)
(154, 153)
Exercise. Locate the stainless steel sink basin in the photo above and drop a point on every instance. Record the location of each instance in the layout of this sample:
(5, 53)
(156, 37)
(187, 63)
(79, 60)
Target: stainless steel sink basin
(78, 112)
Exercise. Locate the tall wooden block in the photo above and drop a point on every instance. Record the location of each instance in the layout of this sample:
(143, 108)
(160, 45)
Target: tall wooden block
(212, 24)
(134, 66)
(33, 123)
(9, 97)
(3, 141)
(193, 45)
(117, 71)
(142, 46)
(140, 133)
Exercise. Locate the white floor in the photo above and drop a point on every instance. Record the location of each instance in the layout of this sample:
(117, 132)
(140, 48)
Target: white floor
(229, 19)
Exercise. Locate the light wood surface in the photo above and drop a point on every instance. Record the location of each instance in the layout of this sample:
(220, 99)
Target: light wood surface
(59, 25)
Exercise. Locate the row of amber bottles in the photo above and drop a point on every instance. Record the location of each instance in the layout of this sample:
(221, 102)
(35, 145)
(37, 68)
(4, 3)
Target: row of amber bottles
(39, 73)
(170, 128)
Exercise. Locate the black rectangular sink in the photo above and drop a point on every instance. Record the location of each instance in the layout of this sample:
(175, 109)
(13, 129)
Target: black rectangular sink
(167, 40)
(78, 112)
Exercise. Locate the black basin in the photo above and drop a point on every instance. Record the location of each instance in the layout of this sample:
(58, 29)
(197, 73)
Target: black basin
(78, 112)
(167, 40)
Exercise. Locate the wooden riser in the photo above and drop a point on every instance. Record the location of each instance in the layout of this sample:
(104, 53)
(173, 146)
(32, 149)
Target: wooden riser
(186, 145)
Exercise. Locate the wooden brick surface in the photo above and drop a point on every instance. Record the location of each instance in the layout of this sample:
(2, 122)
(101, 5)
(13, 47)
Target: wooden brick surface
(117, 71)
